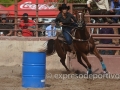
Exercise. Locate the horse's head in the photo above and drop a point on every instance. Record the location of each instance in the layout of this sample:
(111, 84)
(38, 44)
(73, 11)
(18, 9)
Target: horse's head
(80, 20)
(81, 30)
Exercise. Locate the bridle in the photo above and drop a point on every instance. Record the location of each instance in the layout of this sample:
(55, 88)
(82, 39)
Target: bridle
(81, 26)
(80, 21)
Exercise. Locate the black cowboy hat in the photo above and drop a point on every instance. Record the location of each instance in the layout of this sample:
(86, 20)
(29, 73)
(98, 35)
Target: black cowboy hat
(64, 6)
(25, 15)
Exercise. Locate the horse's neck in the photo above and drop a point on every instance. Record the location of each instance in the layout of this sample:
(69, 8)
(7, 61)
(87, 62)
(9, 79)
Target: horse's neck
(87, 33)
(83, 34)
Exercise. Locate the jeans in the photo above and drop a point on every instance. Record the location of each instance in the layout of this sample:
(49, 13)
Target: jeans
(66, 35)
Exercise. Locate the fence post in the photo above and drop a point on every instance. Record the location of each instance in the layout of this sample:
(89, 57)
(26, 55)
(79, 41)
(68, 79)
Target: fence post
(36, 18)
(16, 15)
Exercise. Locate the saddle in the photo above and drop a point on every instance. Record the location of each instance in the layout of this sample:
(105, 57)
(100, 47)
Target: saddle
(61, 37)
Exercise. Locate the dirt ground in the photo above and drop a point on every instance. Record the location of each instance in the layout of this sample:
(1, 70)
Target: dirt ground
(10, 79)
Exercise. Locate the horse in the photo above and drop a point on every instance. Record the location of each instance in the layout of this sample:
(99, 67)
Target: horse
(83, 43)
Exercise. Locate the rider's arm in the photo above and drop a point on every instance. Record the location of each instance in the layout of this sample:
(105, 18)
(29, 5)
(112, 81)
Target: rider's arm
(57, 18)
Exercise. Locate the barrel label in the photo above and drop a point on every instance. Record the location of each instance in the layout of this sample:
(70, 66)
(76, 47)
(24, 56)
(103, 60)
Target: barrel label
(42, 80)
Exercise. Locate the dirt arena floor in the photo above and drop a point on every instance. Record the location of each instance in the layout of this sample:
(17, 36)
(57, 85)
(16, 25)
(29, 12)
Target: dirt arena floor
(11, 76)
(10, 79)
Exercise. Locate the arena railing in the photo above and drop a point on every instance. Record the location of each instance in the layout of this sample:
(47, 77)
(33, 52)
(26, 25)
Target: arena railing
(89, 25)
(105, 36)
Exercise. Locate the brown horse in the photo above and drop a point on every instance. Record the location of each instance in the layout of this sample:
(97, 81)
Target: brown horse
(83, 43)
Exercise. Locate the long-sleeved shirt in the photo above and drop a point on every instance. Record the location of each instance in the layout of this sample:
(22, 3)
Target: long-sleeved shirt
(67, 20)
(102, 4)
(115, 5)
(49, 32)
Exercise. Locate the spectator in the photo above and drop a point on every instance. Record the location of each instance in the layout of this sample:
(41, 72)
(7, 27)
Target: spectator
(103, 6)
(41, 26)
(106, 41)
(19, 32)
(51, 27)
(4, 25)
(26, 25)
(115, 8)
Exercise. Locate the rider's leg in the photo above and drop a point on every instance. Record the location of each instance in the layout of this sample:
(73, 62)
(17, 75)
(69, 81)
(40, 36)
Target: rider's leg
(68, 39)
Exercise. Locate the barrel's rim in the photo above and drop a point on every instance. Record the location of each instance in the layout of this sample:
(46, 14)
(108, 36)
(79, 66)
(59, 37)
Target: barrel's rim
(35, 51)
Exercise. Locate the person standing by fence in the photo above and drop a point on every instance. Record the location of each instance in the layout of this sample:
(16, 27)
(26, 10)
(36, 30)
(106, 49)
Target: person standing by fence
(6, 28)
(115, 8)
(26, 25)
(51, 29)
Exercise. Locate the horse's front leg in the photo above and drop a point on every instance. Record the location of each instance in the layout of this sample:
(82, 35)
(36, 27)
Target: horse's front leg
(95, 51)
(84, 56)
(80, 60)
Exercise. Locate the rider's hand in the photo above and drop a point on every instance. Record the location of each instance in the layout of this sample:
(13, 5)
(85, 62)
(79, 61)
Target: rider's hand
(60, 23)
(112, 10)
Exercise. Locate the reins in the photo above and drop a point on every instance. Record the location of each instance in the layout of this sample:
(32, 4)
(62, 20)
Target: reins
(73, 36)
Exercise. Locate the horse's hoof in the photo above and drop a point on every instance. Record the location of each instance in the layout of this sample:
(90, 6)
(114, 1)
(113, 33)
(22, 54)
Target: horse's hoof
(105, 72)
(89, 72)
(69, 71)
(77, 72)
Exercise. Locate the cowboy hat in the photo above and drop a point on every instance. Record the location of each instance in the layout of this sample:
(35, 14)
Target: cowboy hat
(64, 6)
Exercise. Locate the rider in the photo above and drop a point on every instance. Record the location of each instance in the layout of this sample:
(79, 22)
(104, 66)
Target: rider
(64, 19)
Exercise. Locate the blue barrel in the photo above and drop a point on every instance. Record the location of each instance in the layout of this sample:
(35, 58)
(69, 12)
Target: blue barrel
(33, 69)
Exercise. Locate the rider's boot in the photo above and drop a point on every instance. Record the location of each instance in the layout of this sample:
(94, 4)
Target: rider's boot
(73, 52)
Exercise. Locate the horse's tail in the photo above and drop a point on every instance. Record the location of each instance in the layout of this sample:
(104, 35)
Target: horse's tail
(50, 47)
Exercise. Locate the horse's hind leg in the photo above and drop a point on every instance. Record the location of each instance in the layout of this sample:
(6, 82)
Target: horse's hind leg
(80, 60)
(95, 51)
(84, 56)
(60, 49)
(62, 60)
